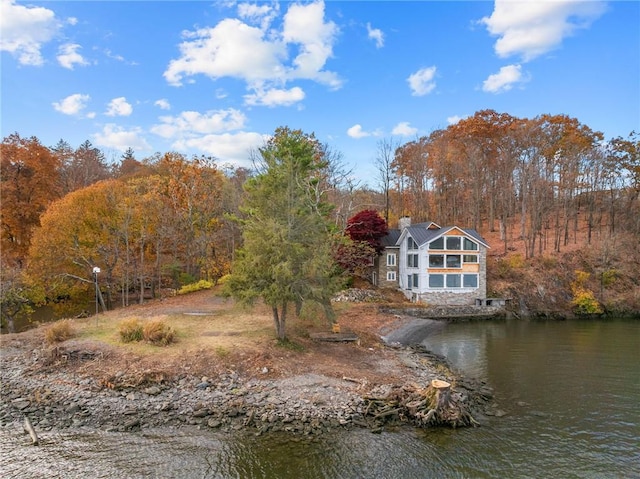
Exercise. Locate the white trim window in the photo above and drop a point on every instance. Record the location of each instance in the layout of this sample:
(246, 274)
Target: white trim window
(391, 275)
(412, 281)
(469, 245)
(470, 258)
(453, 281)
(412, 260)
(391, 259)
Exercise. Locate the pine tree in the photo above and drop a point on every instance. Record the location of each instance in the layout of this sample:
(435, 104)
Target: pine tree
(286, 257)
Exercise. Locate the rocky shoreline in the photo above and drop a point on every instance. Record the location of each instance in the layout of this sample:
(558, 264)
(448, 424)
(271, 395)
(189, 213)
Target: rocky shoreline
(54, 397)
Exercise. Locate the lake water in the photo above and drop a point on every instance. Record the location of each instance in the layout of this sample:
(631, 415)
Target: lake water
(571, 391)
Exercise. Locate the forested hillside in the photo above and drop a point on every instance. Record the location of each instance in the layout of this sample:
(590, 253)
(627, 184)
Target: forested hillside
(558, 203)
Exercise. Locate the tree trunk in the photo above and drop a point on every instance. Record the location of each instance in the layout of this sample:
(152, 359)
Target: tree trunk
(279, 319)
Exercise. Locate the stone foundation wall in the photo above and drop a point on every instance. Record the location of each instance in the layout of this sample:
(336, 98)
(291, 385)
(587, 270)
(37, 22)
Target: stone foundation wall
(450, 298)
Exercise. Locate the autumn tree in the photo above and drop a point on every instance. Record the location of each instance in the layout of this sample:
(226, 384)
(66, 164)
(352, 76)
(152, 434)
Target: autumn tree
(362, 243)
(368, 227)
(78, 232)
(29, 176)
(85, 166)
(413, 168)
(286, 257)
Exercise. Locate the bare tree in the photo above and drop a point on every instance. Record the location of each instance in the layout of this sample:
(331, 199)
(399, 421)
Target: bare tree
(386, 152)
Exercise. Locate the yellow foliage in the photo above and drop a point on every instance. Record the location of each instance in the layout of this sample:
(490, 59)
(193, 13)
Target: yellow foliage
(584, 300)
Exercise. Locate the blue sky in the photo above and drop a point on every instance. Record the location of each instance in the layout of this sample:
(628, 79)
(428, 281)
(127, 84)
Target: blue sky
(218, 77)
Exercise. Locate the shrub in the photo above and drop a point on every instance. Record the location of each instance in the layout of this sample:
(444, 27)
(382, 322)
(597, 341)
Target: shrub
(157, 332)
(130, 330)
(516, 261)
(584, 300)
(185, 279)
(59, 332)
(548, 262)
(193, 287)
(609, 277)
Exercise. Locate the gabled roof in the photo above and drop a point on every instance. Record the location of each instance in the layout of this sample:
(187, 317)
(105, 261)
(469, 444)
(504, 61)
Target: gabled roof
(430, 225)
(421, 233)
(391, 238)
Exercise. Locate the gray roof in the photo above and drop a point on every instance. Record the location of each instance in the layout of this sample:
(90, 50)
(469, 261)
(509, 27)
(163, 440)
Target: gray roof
(391, 238)
(422, 235)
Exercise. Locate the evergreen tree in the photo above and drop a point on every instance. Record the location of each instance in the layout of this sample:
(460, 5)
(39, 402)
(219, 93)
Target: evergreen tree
(286, 257)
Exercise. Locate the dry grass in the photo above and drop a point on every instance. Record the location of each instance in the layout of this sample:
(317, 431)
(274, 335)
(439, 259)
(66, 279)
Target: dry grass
(130, 330)
(157, 332)
(59, 332)
(213, 336)
(190, 323)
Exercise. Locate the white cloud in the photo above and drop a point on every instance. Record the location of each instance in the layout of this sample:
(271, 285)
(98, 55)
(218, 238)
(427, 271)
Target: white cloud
(422, 82)
(376, 35)
(68, 56)
(193, 123)
(504, 79)
(233, 148)
(231, 48)
(275, 97)
(452, 120)
(119, 107)
(357, 132)
(257, 14)
(73, 104)
(257, 55)
(163, 104)
(25, 30)
(72, 21)
(530, 29)
(404, 129)
(113, 136)
(305, 25)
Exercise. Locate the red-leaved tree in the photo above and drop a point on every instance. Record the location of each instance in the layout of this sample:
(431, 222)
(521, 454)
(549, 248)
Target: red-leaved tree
(368, 227)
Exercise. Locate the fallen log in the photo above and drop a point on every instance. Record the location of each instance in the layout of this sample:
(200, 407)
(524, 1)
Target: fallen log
(28, 427)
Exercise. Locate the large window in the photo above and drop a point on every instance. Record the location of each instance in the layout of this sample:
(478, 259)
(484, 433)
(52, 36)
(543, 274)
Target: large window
(453, 261)
(412, 281)
(412, 260)
(449, 260)
(454, 242)
(469, 280)
(391, 275)
(436, 280)
(453, 281)
(436, 261)
(470, 245)
(411, 244)
(437, 243)
(391, 259)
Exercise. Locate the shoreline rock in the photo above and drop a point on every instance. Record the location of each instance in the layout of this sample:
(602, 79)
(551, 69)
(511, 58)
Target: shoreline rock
(53, 397)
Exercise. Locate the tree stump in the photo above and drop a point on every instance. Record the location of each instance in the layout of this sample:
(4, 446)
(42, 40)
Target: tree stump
(436, 405)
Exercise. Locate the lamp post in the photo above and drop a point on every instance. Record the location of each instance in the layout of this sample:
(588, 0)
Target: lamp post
(96, 270)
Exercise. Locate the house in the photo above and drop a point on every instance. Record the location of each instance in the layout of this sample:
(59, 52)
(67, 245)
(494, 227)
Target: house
(433, 264)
